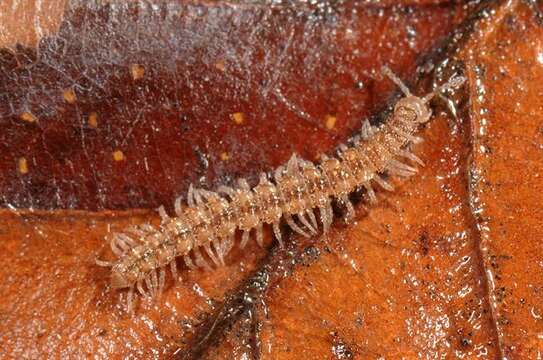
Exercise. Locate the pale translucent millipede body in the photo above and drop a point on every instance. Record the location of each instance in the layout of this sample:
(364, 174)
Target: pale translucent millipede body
(300, 193)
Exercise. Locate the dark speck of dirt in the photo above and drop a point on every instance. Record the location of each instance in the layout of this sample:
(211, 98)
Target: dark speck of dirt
(309, 255)
(340, 350)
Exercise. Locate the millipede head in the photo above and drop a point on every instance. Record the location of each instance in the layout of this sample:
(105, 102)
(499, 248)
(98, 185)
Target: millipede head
(414, 108)
(410, 107)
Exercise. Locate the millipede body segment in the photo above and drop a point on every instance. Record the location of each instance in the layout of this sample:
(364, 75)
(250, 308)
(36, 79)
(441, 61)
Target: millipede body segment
(297, 193)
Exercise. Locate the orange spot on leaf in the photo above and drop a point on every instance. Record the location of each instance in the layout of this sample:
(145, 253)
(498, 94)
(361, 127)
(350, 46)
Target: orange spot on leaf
(28, 117)
(118, 155)
(330, 121)
(93, 120)
(69, 96)
(22, 165)
(137, 71)
(238, 118)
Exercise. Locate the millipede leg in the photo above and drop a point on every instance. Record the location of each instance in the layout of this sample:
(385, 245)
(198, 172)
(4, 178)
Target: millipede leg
(104, 263)
(149, 284)
(116, 247)
(139, 286)
(206, 195)
(190, 196)
(278, 173)
(227, 190)
(306, 223)
(370, 192)
(140, 233)
(402, 166)
(409, 155)
(324, 219)
(409, 137)
(357, 139)
(129, 300)
(384, 184)
(243, 184)
(295, 227)
(367, 130)
(277, 233)
(259, 235)
(126, 242)
(397, 168)
(161, 280)
(154, 280)
(147, 227)
(244, 238)
(122, 245)
(198, 197)
(162, 212)
(211, 254)
(117, 251)
(173, 269)
(330, 213)
(200, 261)
(219, 250)
(292, 165)
(188, 262)
(227, 244)
(399, 172)
(313, 219)
(177, 206)
(349, 206)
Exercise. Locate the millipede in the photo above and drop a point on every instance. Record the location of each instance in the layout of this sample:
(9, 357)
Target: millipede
(297, 193)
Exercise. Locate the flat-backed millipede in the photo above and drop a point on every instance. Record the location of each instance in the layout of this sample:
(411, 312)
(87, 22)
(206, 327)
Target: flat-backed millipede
(294, 193)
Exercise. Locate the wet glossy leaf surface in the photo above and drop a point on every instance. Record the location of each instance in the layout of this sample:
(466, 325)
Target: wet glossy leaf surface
(507, 173)
(126, 105)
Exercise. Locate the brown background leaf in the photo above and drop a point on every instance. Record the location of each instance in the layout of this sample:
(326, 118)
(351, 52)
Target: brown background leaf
(447, 265)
